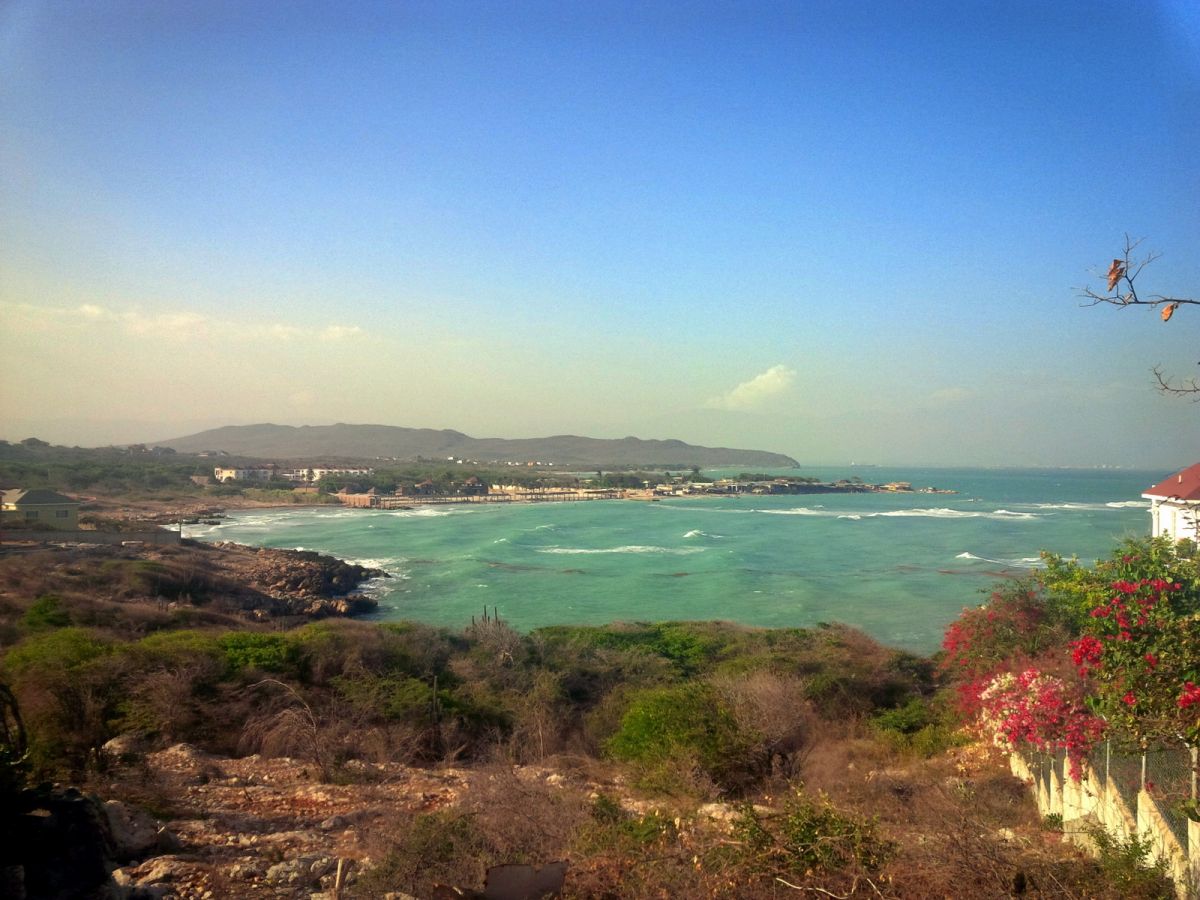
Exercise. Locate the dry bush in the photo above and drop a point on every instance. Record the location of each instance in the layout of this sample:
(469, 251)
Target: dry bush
(503, 819)
(165, 701)
(774, 708)
(287, 726)
(335, 648)
(540, 715)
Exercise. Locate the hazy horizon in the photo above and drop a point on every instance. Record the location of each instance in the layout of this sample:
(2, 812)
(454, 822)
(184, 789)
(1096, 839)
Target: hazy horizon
(839, 233)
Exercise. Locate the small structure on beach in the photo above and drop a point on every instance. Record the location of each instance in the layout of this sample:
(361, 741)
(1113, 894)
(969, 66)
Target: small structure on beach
(1175, 505)
(40, 508)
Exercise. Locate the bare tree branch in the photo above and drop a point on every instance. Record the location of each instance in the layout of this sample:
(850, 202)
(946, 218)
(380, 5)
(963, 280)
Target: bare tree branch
(1120, 290)
(1184, 386)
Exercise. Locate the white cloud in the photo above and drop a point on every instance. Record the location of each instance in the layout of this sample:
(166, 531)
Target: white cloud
(92, 311)
(340, 332)
(755, 392)
(166, 324)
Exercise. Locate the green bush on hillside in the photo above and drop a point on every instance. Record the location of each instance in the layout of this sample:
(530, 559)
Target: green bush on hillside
(46, 612)
(255, 650)
(671, 728)
(810, 836)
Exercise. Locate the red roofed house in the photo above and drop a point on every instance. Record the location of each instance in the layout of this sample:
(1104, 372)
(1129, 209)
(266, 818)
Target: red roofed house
(1175, 505)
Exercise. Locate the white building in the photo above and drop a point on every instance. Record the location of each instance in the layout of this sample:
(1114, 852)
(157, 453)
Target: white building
(1175, 505)
(226, 474)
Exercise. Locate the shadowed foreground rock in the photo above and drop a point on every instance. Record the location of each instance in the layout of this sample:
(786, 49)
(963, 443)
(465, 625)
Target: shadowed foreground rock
(513, 882)
(60, 843)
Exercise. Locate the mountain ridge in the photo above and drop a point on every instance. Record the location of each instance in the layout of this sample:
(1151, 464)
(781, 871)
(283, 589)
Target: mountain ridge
(372, 441)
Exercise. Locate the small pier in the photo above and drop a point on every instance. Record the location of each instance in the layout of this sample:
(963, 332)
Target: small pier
(402, 501)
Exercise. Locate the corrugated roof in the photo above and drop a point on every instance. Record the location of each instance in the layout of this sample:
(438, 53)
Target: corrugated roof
(36, 497)
(1183, 485)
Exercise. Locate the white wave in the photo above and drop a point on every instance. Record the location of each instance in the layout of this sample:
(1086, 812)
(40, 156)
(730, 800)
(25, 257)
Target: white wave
(696, 532)
(943, 513)
(423, 512)
(373, 563)
(1071, 506)
(798, 511)
(631, 548)
(543, 527)
(851, 516)
(1024, 562)
(1090, 507)
(500, 541)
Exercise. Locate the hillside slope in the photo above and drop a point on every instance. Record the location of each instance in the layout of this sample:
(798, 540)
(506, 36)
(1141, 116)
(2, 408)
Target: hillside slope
(369, 441)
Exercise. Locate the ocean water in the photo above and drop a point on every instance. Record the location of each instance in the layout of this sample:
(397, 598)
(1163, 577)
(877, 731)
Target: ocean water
(901, 567)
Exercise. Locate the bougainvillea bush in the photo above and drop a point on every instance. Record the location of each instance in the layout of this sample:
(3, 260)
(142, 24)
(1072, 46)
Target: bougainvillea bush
(1042, 711)
(1088, 651)
(1017, 629)
(1139, 643)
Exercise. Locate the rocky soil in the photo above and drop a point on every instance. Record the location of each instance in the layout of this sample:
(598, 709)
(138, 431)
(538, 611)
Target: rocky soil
(265, 828)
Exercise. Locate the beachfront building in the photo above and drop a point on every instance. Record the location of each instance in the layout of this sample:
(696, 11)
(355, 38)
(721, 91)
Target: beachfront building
(226, 474)
(315, 473)
(1175, 505)
(40, 509)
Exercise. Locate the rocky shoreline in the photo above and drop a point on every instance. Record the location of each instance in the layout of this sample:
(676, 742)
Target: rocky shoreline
(228, 580)
(296, 582)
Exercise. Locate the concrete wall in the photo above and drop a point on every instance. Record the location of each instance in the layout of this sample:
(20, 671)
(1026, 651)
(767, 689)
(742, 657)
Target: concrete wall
(1095, 800)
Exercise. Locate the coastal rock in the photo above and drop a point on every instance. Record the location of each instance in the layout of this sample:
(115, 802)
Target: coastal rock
(124, 746)
(132, 833)
(301, 870)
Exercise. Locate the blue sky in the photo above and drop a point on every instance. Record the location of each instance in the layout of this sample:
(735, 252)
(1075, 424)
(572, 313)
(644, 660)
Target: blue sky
(840, 231)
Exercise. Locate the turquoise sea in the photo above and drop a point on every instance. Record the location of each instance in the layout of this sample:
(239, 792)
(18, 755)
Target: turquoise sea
(899, 566)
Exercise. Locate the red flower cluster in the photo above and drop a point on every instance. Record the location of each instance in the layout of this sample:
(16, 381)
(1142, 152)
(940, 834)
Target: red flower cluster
(1190, 696)
(1039, 710)
(1132, 605)
(1086, 653)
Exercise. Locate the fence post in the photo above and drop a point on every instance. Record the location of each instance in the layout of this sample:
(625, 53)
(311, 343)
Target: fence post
(1193, 842)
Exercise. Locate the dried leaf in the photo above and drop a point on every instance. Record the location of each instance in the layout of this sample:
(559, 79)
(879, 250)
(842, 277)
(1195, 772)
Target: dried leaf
(1115, 271)
(1168, 311)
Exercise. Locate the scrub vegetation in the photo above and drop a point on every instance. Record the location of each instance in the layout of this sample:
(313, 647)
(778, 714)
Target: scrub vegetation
(677, 758)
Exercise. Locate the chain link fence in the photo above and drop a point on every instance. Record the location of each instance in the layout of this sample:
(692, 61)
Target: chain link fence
(1170, 780)
(1165, 778)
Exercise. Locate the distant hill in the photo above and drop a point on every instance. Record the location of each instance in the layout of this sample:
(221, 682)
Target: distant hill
(370, 441)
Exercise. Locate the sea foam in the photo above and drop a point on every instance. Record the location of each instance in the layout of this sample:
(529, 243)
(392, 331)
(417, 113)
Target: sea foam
(630, 548)
(1024, 562)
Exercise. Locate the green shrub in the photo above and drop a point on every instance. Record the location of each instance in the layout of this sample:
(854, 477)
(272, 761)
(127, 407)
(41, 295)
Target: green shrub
(917, 728)
(62, 650)
(680, 726)
(439, 847)
(69, 684)
(809, 836)
(255, 650)
(690, 647)
(613, 830)
(171, 648)
(1128, 867)
(46, 612)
